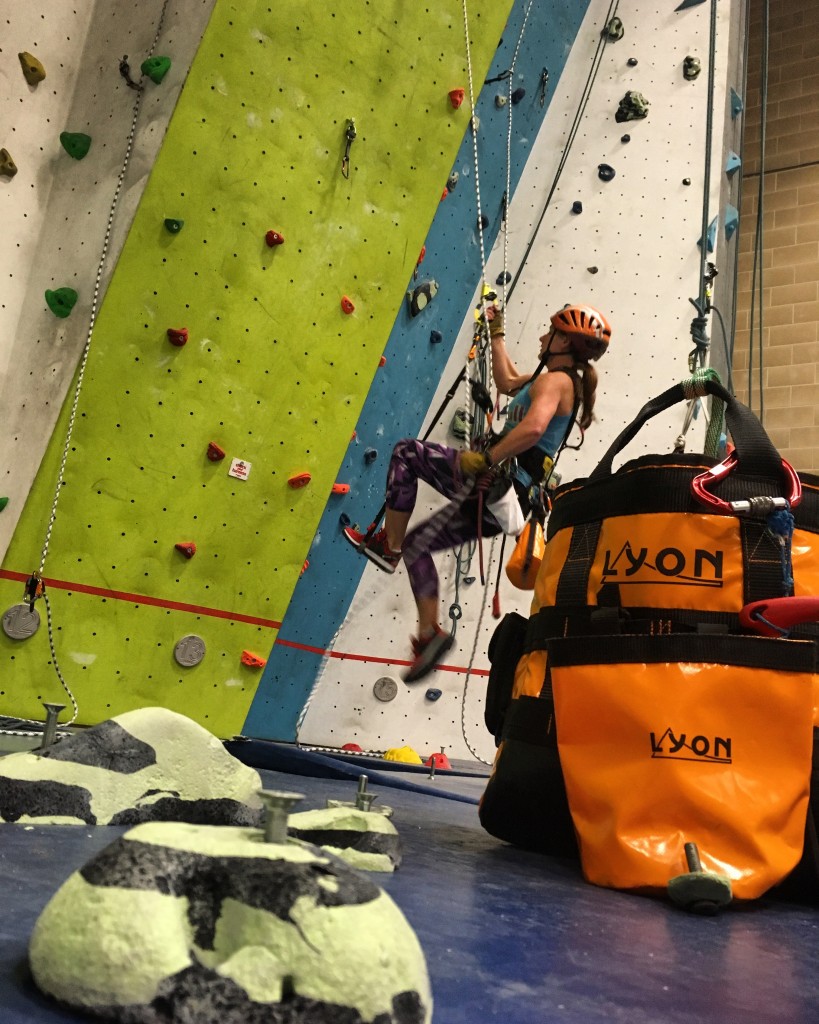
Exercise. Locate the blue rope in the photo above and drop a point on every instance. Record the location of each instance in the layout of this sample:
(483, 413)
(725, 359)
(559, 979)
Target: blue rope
(780, 527)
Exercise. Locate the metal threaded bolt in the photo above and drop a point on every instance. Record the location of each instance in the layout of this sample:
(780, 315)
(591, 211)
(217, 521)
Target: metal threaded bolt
(50, 728)
(363, 799)
(277, 806)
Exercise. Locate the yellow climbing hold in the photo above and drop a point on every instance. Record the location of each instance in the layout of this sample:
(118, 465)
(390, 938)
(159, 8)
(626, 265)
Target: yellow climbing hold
(33, 69)
(406, 754)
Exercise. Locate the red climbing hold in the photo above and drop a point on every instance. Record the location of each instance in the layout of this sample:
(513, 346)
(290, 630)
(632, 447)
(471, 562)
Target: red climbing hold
(215, 453)
(253, 660)
(352, 748)
(300, 480)
(274, 238)
(444, 194)
(178, 336)
(382, 361)
(341, 488)
(188, 548)
(421, 256)
(440, 760)
(456, 97)
(347, 305)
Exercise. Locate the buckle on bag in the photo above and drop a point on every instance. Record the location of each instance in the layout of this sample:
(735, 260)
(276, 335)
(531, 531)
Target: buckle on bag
(759, 506)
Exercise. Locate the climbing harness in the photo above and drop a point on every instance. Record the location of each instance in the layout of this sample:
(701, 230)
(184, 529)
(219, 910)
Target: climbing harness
(35, 587)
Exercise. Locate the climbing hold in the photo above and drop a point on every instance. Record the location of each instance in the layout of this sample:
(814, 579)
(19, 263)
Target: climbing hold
(452, 181)
(214, 452)
(736, 104)
(605, 172)
(444, 194)
(76, 144)
(592, 270)
(33, 70)
(503, 278)
(274, 238)
(382, 361)
(177, 336)
(469, 580)
(61, 301)
(686, 181)
(460, 424)
(625, 138)
(632, 62)
(614, 31)
(421, 256)
(518, 95)
(340, 488)
(732, 164)
(688, 3)
(370, 455)
(187, 547)
(344, 520)
(252, 660)
(577, 206)
(483, 223)
(433, 693)
(156, 68)
(691, 68)
(3, 503)
(405, 754)
(632, 107)
(347, 305)
(711, 235)
(299, 480)
(439, 759)
(456, 97)
(173, 226)
(500, 100)
(352, 748)
(731, 220)
(435, 337)
(7, 165)
(421, 296)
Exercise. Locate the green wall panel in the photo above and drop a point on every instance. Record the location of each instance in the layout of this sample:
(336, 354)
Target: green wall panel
(273, 371)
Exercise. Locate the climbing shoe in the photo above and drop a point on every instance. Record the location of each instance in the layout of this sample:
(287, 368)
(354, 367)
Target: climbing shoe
(376, 548)
(428, 652)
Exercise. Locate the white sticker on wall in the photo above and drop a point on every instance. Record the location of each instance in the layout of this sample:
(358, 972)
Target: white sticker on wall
(240, 469)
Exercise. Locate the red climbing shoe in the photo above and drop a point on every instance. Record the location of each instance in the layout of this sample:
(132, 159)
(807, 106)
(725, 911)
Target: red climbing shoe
(428, 653)
(376, 548)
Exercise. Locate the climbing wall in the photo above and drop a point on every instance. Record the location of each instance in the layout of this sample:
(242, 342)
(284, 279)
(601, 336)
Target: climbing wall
(633, 252)
(211, 340)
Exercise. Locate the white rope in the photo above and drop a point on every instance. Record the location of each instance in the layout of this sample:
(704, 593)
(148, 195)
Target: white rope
(81, 373)
(469, 746)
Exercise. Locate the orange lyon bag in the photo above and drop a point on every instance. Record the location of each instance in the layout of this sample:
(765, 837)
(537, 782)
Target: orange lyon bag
(666, 740)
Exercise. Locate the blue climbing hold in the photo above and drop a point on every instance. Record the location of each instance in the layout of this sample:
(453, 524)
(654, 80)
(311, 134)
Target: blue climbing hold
(733, 163)
(605, 172)
(711, 236)
(344, 519)
(370, 455)
(503, 278)
(577, 206)
(731, 220)
(736, 104)
(435, 337)
(433, 693)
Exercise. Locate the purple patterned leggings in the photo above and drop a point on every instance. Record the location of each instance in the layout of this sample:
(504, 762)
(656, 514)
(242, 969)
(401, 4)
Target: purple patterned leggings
(453, 525)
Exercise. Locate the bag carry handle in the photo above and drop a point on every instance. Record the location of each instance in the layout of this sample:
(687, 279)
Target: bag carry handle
(755, 452)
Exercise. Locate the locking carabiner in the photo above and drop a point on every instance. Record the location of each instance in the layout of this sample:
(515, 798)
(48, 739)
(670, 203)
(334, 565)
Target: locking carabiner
(760, 506)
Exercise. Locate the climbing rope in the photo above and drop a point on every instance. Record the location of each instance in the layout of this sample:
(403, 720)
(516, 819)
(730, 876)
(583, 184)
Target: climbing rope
(37, 577)
(757, 270)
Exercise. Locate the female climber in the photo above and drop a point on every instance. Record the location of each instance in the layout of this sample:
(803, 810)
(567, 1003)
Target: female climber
(538, 419)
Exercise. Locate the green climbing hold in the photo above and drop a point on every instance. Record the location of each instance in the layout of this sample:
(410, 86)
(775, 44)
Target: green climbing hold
(76, 144)
(156, 68)
(7, 165)
(173, 226)
(3, 503)
(61, 301)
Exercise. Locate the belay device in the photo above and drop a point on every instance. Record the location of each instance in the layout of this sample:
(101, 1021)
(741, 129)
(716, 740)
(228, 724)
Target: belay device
(639, 694)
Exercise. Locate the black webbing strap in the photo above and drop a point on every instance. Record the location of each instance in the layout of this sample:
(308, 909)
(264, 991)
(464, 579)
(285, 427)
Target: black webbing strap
(573, 585)
(762, 562)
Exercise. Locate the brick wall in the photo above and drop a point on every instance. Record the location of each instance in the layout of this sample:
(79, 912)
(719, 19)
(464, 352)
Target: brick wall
(790, 257)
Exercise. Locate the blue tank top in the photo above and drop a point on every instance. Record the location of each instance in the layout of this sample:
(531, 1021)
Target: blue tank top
(551, 438)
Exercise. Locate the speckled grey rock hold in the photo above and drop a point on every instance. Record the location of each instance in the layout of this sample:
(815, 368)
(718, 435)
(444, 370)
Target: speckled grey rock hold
(188, 924)
(145, 765)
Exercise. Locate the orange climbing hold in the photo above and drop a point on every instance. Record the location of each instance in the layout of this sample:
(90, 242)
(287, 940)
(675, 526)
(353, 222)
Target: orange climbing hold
(300, 480)
(187, 547)
(456, 97)
(347, 305)
(178, 336)
(253, 660)
(341, 488)
(215, 453)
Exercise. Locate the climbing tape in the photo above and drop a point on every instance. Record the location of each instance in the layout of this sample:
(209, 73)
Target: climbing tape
(83, 363)
(780, 529)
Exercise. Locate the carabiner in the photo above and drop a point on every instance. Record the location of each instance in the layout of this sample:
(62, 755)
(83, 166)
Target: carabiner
(701, 483)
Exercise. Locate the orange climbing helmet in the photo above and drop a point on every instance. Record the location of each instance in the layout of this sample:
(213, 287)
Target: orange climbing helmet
(586, 327)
